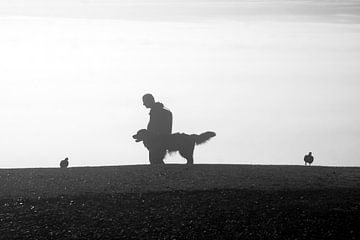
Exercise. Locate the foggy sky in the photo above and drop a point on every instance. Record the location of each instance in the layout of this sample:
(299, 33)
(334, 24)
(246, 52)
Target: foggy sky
(273, 79)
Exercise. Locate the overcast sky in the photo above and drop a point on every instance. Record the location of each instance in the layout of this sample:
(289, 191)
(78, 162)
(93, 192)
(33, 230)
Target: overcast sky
(274, 79)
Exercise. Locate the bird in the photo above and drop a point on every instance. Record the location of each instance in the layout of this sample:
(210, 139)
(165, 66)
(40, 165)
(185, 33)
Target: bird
(308, 159)
(64, 163)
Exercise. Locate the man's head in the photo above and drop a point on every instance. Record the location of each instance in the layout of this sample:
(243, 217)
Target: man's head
(148, 100)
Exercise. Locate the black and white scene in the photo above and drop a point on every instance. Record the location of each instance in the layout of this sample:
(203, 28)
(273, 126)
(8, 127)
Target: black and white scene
(179, 119)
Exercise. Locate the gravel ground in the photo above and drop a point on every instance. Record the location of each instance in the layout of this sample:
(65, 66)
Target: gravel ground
(210, 214)
(180, 202)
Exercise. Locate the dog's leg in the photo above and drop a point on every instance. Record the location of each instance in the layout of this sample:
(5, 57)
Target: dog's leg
(152, 157)
(188, 153)
(190, 160)
(162, 154)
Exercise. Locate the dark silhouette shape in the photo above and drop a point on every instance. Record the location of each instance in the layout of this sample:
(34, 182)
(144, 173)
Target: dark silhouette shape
(160, 117)
(64, 163)
(160, 123)
(184, 143)
(308, 159)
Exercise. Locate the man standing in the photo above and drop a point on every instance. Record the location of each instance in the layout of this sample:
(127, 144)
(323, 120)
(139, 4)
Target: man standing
(160, 123)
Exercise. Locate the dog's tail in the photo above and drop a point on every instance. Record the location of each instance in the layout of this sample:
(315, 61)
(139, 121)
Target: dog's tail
(202, 138)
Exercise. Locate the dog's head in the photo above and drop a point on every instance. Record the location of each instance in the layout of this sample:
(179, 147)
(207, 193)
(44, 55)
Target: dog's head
(140, 135)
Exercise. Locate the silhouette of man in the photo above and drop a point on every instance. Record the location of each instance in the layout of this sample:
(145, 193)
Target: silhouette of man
(308, 159)
(160, 123)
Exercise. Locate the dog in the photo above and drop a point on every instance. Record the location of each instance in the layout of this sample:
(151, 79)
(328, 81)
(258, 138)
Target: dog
(182, 142)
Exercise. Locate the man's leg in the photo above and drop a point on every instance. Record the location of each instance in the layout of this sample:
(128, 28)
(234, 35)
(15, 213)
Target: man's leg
(157, 155)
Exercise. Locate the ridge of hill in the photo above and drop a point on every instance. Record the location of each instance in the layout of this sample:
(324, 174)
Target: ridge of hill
(52, 182)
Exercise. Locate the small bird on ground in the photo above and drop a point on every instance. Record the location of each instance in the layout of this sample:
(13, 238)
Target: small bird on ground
(64, 163)
(308, 159)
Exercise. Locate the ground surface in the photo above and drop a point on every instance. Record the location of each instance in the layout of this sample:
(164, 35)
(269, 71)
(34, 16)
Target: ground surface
(181, 202)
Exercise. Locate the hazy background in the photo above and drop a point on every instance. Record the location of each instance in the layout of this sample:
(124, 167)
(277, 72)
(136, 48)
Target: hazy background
(274, 79)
